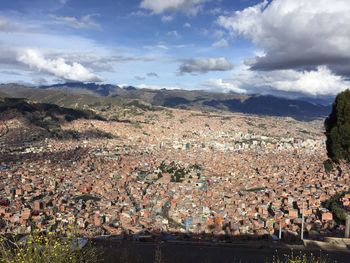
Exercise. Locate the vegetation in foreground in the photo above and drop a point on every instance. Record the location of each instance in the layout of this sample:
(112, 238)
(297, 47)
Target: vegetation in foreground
(43, 248)
(301, 258)
(333, 204)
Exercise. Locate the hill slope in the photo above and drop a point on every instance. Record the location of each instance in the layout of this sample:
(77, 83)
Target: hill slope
(22, 121)
(80, 94)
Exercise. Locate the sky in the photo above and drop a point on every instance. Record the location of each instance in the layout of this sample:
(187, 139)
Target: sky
(279, 47)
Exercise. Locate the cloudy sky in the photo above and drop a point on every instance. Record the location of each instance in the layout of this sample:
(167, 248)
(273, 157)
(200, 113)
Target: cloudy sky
(284, 47)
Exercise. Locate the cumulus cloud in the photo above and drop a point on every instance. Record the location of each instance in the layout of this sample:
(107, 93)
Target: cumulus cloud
(204, 65)
(166, 19)
(318, 82)
(222, 43)
(299, 34)
(190, 7)
(85, 22)
(57, 67)
(158, 87)
(220, 84)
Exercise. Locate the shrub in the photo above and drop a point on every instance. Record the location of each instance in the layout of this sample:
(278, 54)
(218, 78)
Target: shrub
(43, 248)
(328, 166)
(300, 258)
(333, 204)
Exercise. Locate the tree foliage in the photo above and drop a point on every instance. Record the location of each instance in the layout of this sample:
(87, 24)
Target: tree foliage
(328, 166)
(338, 128)
(334, 205)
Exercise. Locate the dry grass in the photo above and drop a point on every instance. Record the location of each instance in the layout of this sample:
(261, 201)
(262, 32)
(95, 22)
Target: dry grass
(43, 248)
(301, 258)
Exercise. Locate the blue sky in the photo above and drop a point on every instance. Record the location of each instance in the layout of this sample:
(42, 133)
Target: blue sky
(245, 46)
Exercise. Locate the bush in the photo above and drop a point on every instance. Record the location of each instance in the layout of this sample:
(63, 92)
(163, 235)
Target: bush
(301, 258)
(328, 166)
(333, 204)
(43, 248)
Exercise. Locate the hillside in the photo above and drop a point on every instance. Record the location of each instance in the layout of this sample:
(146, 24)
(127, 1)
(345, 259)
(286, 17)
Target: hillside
(61, 97)
(79, 95)
(23, 121)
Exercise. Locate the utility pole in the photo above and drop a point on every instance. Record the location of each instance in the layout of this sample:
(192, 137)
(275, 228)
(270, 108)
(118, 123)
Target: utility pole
(280, 231)
(302, 223)
(347, 226)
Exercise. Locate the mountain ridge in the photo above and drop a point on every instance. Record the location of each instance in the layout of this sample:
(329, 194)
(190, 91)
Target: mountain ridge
(91, 93)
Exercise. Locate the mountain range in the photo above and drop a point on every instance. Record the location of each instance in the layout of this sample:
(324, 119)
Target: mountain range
(76, 94)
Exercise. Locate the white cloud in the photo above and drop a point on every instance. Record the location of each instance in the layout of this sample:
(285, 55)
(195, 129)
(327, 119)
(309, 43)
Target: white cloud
(204, 65)
(217, 34)
(174, 33)
(57, 67)
(187, 25)
(98, 58)
(220, 84)
(216, 11)
(317, 82)
(140, 13)
(157, 46)
(222, 43)
(166, 19)
(296, 34)
(190, 7)
(85, 22)
(158, 87)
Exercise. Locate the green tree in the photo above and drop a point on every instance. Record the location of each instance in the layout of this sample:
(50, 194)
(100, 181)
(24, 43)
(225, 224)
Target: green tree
(338, 128)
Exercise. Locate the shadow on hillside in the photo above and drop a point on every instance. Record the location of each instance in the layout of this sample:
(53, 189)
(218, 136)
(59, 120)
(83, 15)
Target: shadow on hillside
(88, 134)
(179, 247)
(258, 105)
(18, 139)
(19, 155)
(16, 151)
(272, 106)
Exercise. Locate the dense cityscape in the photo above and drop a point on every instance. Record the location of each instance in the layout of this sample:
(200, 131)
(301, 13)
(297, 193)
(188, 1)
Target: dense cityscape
(171, 171)
(174, 131)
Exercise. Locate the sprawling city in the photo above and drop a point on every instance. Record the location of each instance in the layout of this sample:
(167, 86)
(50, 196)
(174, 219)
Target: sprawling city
(171, 171)
(205, 155)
